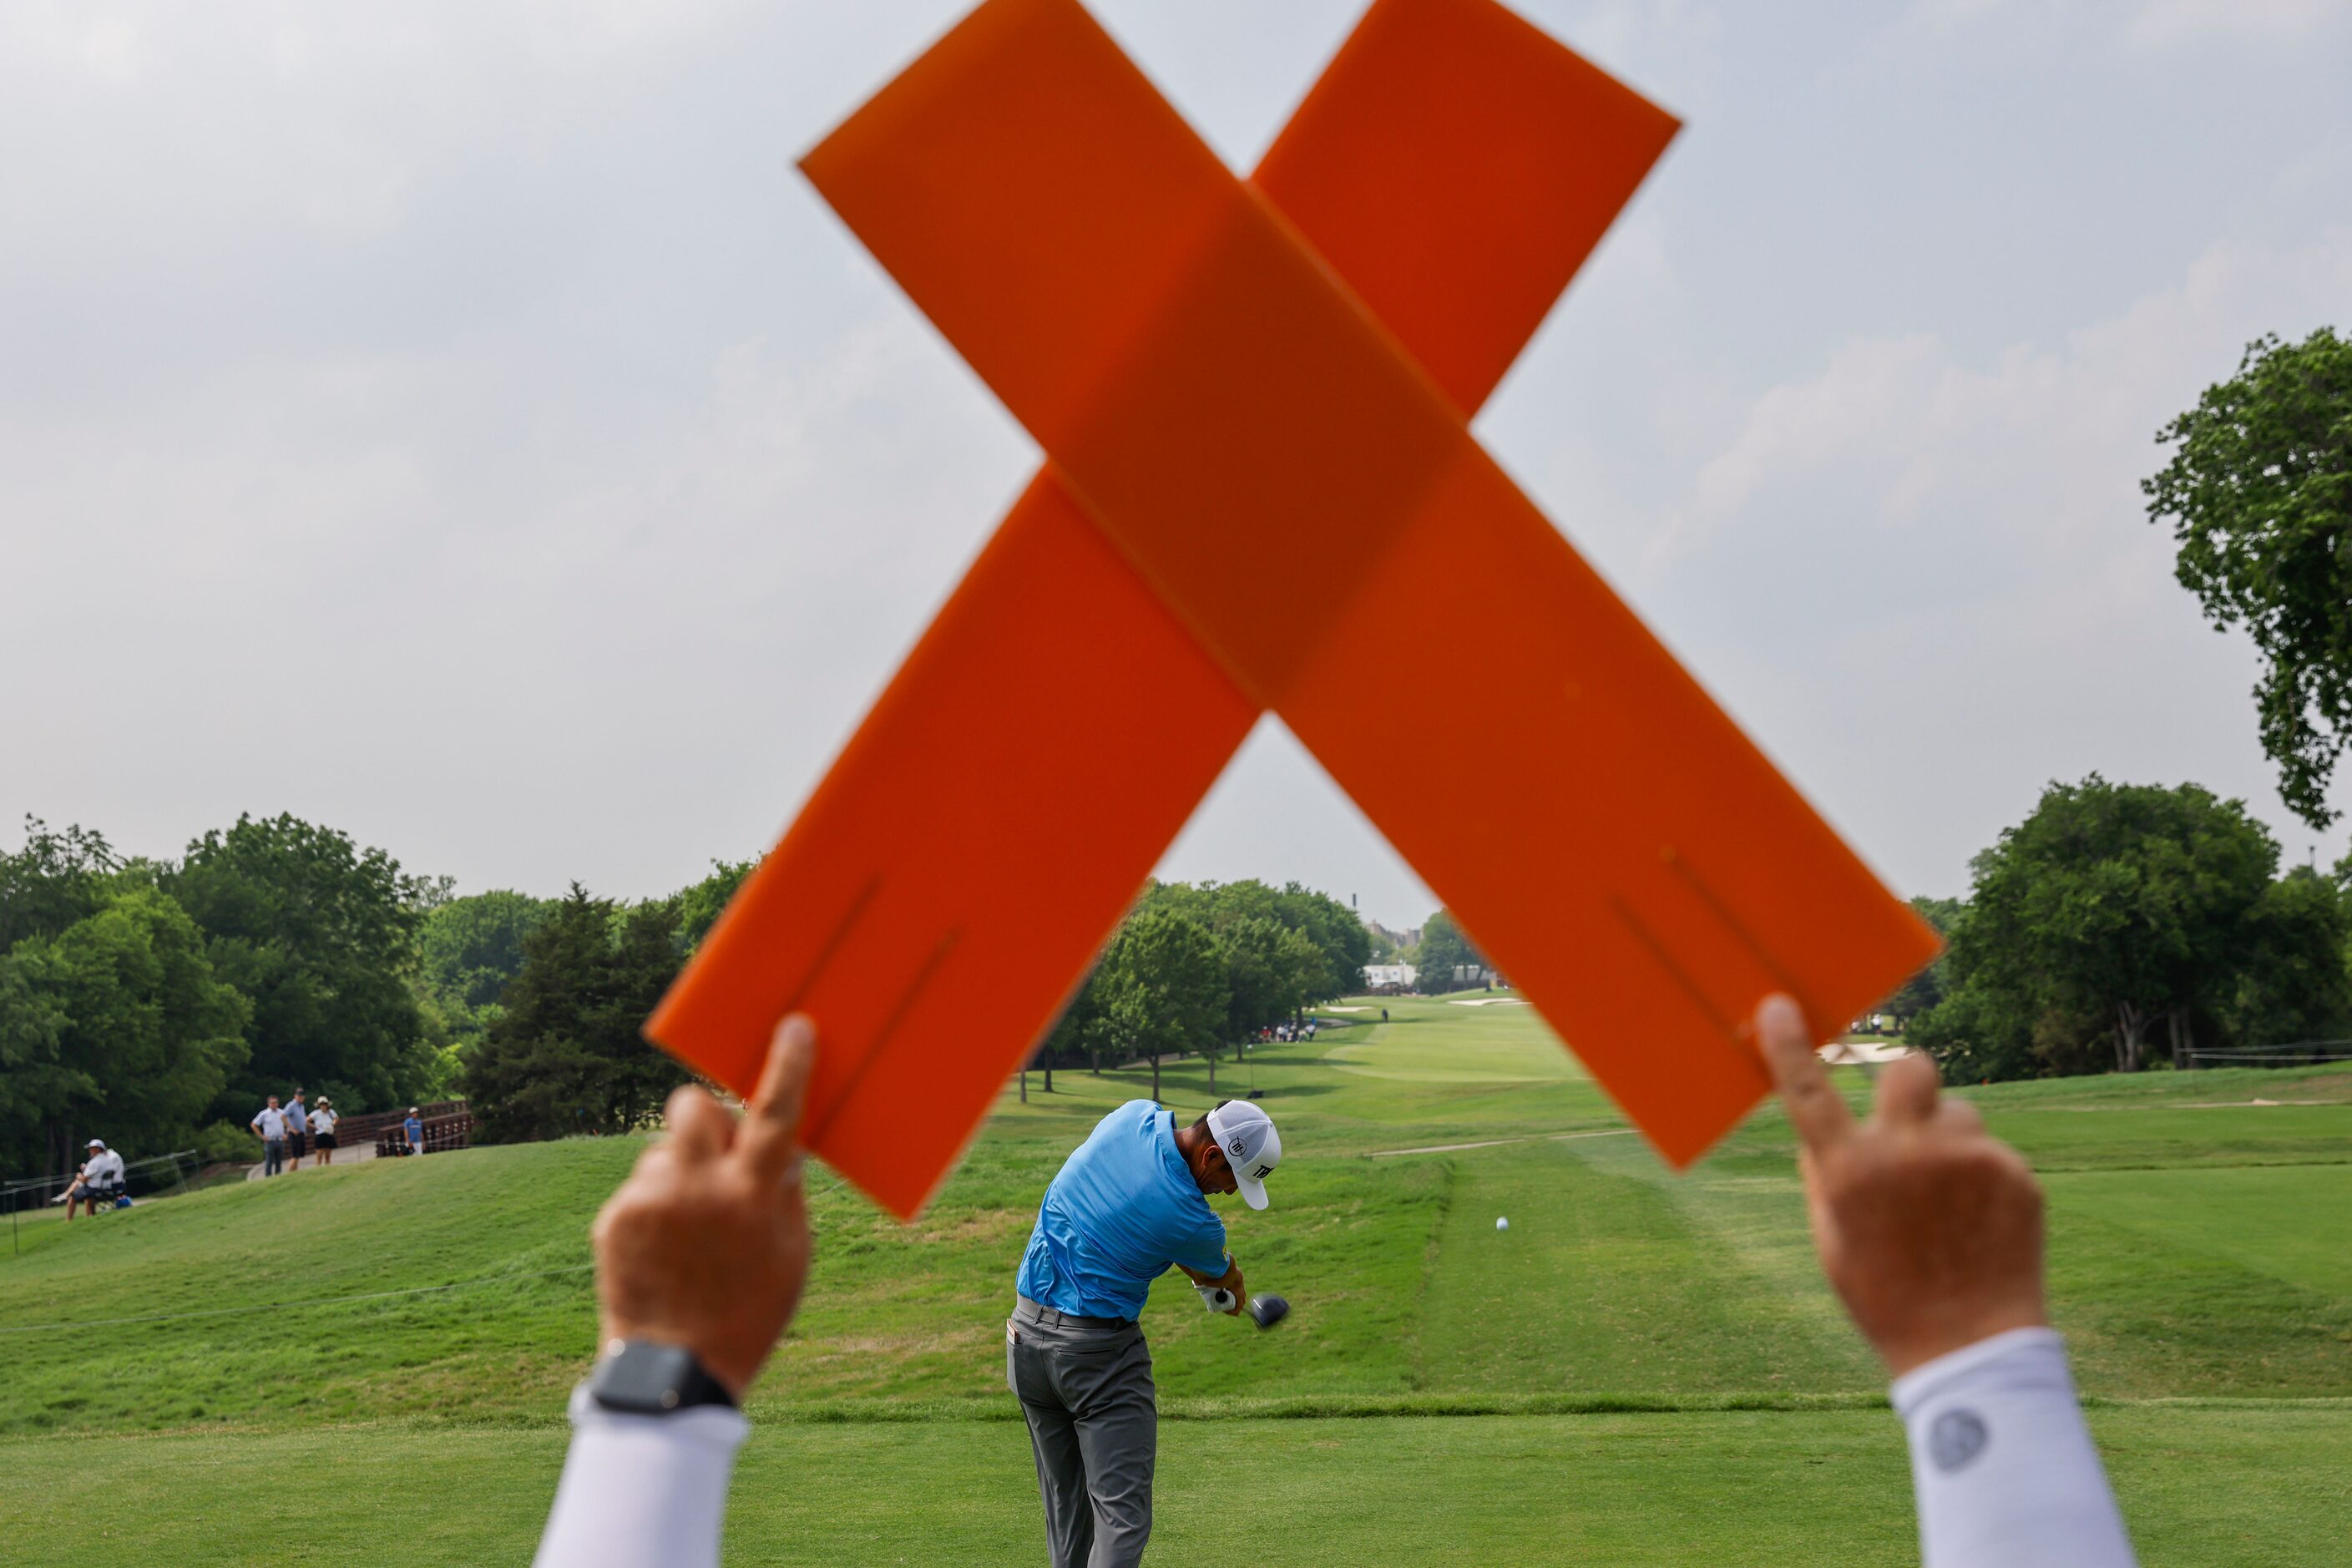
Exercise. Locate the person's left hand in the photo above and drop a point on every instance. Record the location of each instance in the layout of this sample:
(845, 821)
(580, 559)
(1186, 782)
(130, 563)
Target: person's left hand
(707, 1244)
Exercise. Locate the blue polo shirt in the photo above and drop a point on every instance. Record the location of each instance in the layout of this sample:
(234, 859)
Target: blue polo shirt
(1123, 1209)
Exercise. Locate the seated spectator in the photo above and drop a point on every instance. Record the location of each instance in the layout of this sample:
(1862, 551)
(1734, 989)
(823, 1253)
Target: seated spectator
(322, 1130)
(1928, 1227)
(270, 1127)
(414, 1130)
(98, 1182)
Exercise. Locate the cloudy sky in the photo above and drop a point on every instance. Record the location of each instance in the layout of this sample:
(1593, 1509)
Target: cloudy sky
(458, 422)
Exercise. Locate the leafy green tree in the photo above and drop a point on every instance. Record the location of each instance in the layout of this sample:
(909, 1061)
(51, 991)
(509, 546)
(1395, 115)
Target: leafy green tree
(115, 1027)
(2260, 497)
(1077, 1033)
(56, 879)
(1342, 944)
(468, 948)
(320, 935)
(700, 904)
(41, 1088)
(1925, 989)
(1269, 969)
(2112, 913)
(1162, 987)
(2294, 985)
(1337, 932)
(1444, 947)
(564, 1054)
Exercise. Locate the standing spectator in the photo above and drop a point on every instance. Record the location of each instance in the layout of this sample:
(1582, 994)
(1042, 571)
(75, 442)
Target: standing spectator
(100, 1182)
(270, 1127)
(322, 1130)
(298, 1130)
(415, 1128)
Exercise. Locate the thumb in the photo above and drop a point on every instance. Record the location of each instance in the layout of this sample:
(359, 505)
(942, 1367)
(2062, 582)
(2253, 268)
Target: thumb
(769, 1140)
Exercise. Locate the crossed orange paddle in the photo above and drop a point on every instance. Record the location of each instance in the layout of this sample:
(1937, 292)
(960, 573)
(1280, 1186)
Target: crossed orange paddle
(1253, 397)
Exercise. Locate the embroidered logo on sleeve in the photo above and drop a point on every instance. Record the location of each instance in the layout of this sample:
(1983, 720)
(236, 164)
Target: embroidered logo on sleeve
(1956, 1438)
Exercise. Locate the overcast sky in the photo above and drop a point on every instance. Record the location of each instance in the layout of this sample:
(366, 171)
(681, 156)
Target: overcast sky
(456, 422)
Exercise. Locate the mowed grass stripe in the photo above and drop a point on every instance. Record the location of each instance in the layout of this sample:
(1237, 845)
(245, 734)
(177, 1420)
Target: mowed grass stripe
(2198, 1486)
(2281, 1221)
(1604, 1282)
(1755, 1212)
(2149, 1312)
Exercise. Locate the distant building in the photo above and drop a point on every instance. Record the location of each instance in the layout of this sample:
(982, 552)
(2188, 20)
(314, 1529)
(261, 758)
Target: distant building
(1389, 976)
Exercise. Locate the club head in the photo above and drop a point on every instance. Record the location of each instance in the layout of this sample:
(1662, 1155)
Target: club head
(1268, 1310)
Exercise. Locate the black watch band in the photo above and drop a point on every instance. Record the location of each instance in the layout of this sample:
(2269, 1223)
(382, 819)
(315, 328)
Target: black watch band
(640, 1377)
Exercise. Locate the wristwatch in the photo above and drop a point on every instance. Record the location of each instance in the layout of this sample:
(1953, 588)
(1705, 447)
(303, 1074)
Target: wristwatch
(639, 1377)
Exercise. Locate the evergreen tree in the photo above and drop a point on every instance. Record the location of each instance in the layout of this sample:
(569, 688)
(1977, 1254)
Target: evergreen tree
(565, 1054)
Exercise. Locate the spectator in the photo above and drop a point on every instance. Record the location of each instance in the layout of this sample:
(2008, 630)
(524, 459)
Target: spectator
(322, 1130)
(414, 1130)
(298, 1130)
(1929, 1229)
(98, 1182)
(270, 1127)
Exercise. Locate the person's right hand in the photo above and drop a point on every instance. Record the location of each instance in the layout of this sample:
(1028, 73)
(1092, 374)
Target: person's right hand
(1928, 1226)
(707, 1244)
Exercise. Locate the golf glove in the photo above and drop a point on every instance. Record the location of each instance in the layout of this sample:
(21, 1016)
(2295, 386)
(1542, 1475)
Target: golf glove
(1216, 1297)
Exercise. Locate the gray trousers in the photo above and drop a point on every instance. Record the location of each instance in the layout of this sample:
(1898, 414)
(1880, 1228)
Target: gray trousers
(1084, 1386)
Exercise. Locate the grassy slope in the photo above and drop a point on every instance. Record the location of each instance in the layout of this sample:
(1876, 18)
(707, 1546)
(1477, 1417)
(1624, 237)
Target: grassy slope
(2200, 1249)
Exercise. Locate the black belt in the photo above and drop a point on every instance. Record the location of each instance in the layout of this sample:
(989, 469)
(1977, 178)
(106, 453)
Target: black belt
(1037, 1313)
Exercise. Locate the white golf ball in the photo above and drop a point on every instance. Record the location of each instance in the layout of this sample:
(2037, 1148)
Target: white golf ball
(1502, 1222)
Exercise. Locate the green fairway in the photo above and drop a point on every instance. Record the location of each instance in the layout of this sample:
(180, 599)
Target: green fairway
(400, 1335)
(2198, 1485)
(1483, 1043)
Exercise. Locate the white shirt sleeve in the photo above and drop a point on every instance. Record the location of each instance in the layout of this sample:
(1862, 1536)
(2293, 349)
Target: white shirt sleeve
(642, 1491)
(2001, 1462)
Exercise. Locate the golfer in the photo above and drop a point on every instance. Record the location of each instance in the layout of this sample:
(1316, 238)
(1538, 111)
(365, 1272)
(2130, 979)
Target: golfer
(1130, 1202)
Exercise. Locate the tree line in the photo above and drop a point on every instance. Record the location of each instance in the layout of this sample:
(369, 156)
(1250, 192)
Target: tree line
(1202, 968)
(2123, 925)
(154, 1003)
(157, 1003)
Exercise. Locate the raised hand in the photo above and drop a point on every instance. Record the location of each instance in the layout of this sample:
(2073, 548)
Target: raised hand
(1928, 1226)
(707, 1244)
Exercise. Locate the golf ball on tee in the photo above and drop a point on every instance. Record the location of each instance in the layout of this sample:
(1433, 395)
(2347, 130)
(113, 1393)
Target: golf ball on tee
(1502, 1222)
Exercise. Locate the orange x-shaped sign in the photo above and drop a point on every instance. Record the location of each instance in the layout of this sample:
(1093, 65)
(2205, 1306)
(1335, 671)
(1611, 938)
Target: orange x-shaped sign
(1261, 492)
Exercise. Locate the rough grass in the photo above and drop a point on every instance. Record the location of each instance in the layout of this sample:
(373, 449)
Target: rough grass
(2201, 1252)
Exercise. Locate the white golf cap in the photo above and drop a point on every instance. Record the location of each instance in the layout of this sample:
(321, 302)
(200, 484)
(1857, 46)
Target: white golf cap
(1252, 1148)
(97, 1142)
